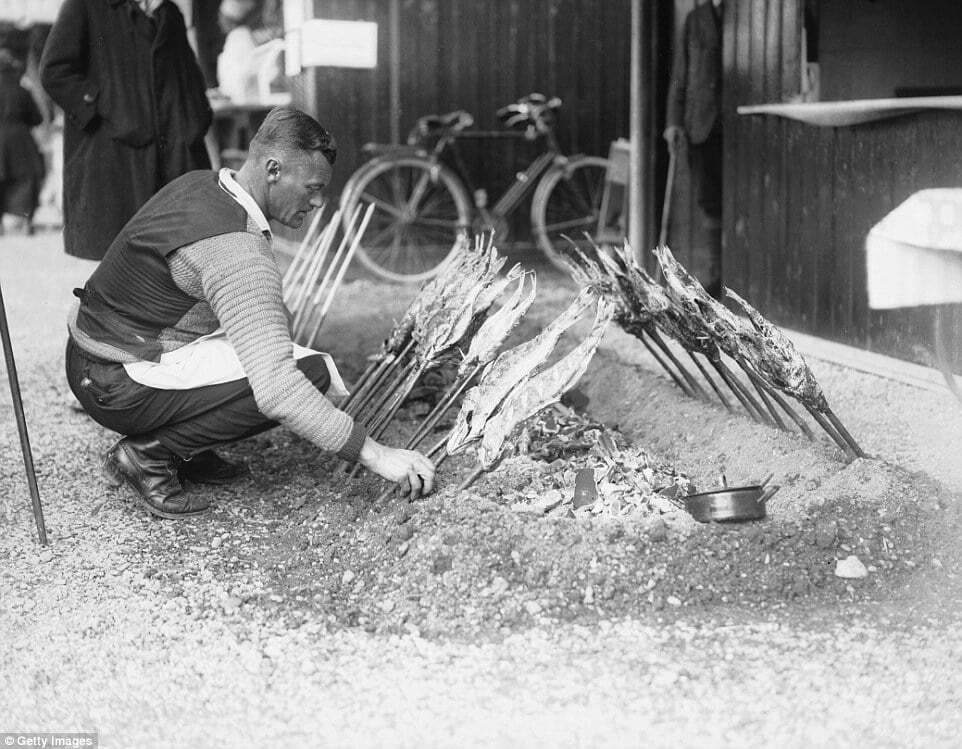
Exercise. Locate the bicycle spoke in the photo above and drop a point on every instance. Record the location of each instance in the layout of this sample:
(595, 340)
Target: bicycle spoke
(573, 223)
(382, 204)
(440, 223)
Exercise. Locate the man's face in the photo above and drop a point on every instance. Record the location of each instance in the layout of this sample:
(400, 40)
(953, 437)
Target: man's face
(296, 186)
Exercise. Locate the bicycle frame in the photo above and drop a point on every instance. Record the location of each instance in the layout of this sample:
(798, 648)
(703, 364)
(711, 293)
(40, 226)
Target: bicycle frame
(524, 181)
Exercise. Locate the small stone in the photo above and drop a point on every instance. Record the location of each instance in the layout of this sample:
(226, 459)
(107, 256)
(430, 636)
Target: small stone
(215, 542)
(658, 530)
(589, 595)
(499, 586)
(850, 568)
(673, 601)
(387, 605)
(825, 533)
(403, 549)
(348, 577)
(441, 564)
(46, 555)
(532, 607)
(404, 533)
(308, 668)
(231, 604)
(811, 485)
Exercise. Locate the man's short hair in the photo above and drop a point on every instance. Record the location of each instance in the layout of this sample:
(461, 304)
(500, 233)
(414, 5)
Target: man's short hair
(292, 130)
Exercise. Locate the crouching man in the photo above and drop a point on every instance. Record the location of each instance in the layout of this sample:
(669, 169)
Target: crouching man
(181, 340)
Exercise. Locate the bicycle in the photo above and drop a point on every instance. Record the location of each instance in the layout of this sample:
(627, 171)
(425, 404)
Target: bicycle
(423, 201)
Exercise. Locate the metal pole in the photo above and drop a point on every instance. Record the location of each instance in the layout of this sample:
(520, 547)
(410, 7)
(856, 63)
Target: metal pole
(636, 197)
(21, 424)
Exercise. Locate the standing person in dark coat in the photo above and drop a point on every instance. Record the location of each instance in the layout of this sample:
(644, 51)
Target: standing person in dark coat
(21, 164)
(694, 117)
(136, 111)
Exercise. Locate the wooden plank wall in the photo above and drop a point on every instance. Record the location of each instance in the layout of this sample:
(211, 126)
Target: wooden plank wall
(799, 200)
(462, 54)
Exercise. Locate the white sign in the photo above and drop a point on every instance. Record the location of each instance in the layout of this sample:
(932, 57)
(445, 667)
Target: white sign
(340, 44)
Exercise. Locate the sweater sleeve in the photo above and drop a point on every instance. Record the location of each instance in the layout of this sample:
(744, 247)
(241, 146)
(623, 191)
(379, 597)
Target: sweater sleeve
(243, 288)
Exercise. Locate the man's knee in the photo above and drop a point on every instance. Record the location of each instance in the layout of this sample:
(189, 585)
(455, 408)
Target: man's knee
(315, 368)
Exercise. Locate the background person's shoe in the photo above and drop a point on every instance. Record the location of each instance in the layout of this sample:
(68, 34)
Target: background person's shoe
(150, 470)
(208, 467)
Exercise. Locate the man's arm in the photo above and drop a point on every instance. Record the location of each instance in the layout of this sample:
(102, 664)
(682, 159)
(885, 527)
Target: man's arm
(244, 290)
(64, 64)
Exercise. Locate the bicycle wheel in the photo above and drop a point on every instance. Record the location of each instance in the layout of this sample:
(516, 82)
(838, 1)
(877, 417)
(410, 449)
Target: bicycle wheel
(567, 204)
(420, 210)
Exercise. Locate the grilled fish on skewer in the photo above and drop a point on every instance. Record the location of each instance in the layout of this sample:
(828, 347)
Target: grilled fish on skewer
(511, 367)
(541, 389)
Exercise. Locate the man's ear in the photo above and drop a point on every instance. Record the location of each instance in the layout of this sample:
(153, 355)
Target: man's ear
(273, 167)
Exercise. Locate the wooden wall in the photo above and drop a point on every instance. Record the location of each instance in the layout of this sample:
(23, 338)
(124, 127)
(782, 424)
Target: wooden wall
(799, 200)
(479, 56)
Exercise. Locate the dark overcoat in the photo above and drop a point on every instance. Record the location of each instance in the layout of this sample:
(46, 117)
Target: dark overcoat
(136, 112)
(694, 95)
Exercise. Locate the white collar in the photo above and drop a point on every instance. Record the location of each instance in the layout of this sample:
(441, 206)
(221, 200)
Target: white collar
(231, 186)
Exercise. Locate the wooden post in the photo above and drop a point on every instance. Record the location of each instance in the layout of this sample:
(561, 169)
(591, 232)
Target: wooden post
(394, 37)
(636, 196)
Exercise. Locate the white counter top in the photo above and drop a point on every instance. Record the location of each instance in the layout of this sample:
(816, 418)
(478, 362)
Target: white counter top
(855, 112)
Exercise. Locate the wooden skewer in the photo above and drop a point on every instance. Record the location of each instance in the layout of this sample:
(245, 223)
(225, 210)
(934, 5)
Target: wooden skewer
(454, 392)
(472, 477)
(335, 284)
(714, 386)
(381, 421)
(387, 372)
(763, 391)
(314, 296)
(314, 268)
(679, 381)
(294, 289)
(844, 433)
(294, 268)
(744, 397)
(379, 400)
(825, 424)
(372, 375)
(793, 415)
(693, 383)
(310, 286)
(765, 406)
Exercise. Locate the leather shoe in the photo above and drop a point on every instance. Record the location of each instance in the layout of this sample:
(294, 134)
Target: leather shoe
(150, 470)
(207, 467)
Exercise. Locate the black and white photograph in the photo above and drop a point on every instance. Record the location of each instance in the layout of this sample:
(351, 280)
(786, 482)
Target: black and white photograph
(481, 373)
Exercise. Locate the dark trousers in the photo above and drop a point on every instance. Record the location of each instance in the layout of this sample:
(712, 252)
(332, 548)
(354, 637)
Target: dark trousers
(705, 165)
(186, 422)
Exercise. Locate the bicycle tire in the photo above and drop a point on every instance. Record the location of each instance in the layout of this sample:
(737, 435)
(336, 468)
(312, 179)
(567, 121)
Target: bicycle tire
(407, 242)
(567, 204)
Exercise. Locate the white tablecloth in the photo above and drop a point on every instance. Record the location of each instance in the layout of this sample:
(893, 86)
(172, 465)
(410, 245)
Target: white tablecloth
(914, 254)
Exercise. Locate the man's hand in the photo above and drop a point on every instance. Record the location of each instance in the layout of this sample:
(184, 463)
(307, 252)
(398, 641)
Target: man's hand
(409, 468)
(674, 136)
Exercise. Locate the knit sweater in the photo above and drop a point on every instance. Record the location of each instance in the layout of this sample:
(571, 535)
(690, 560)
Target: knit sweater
(237, 286)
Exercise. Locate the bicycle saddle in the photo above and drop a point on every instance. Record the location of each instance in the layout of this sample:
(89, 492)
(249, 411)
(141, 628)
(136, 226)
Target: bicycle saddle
(534, 113)
(437, 124)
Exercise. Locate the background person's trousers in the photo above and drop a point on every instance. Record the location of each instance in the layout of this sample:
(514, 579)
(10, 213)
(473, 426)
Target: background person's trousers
(186, 422)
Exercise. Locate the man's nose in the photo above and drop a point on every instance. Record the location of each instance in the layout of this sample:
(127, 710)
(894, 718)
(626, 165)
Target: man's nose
(317, 201)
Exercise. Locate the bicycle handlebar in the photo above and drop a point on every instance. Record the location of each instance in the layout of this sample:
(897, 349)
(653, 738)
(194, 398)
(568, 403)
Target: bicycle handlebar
(534, 114)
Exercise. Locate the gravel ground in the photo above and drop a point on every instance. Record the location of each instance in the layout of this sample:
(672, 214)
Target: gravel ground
(300, 613)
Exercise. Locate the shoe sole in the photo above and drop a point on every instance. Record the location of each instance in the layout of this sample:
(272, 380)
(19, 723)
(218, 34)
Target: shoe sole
(116, 480)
